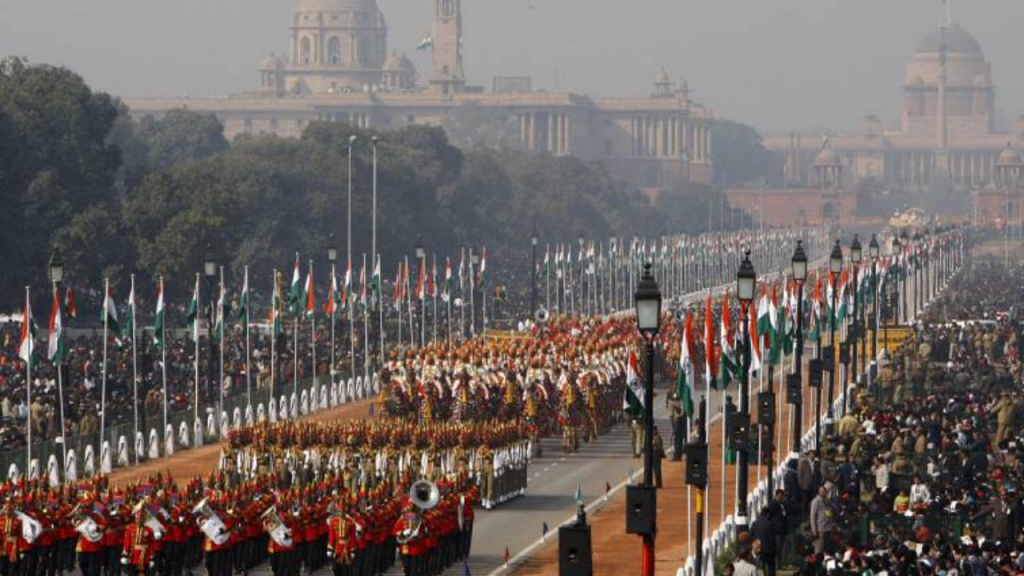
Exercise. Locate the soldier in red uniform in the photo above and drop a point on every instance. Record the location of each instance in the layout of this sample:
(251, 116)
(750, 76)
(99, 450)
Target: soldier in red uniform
(411, 532)
(342, 541)
(10, 533)
(140, 545)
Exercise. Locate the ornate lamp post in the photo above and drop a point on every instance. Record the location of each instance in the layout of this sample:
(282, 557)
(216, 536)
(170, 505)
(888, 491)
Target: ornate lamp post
(533, 272)
(648, 321)
(873, 251)
(332, 257)
(746, 284)
(210, 273)
(835, 267)
(799, 267)
(856, 255)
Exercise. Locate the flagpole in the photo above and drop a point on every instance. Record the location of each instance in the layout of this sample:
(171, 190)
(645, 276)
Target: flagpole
(248, 356)
(398, 302)
(378, 286)
(312, 327)
(448, 291)
(28, 380)
(422, 289)
(547, 278)
(366, 326)
(163, 357)
(273, 336)
(59, 328)
(195, 333)
(103, 373)
(433, 293)
(220, 381)
(334, 313)
(472, 304)
(408, 296)
(135, 372)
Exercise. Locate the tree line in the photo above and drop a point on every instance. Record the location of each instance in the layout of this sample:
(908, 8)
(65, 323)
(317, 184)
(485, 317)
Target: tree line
(122, 196)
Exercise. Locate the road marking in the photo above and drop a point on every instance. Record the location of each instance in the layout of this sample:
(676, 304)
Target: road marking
(532, 548)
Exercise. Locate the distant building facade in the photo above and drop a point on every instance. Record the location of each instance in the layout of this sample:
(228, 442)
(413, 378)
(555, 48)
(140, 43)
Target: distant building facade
(339, 68)
(948, 155)
(947, 138)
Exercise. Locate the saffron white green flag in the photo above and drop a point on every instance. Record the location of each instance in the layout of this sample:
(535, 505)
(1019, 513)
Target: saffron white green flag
(192, 317)
(633, 401)
(686, 374)
(55, 350)
(27, 345)
(158, 324)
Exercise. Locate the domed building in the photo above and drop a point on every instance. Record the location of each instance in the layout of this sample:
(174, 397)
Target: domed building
(948, 138)
(335, 46)
(339, 67)
(969, 97)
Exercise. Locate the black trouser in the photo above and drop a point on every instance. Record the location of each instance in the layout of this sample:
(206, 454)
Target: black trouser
(343, 570)
(112, 560)
(768, 563)
(678, 437)
(10, 567)
(89, 563)
(657, 472)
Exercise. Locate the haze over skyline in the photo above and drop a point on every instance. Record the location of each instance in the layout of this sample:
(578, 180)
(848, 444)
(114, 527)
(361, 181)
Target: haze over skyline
(783, 65)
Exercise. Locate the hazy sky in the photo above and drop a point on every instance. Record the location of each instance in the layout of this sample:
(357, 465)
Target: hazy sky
(777, 64)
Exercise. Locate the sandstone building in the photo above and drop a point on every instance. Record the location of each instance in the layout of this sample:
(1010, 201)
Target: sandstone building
(339, 67)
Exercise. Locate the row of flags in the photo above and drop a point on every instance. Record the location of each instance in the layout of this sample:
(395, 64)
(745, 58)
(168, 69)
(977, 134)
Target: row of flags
(772, 329)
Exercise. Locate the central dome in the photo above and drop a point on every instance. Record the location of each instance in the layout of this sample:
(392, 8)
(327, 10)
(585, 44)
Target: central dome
(337, 5)
(956, 39)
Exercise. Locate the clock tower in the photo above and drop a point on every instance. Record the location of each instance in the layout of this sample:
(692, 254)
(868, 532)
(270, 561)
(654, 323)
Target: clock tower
(449, 77)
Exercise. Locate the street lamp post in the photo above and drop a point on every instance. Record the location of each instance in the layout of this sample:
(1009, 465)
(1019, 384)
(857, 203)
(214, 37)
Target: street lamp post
(855, 259)
(835, 267)
(746, 283)
(56, 278)
(648, 320)
(799, 266)
(421, 258)
(475, 261)
(332, 257)
(533, 273)
(210, 272)
(873, 251)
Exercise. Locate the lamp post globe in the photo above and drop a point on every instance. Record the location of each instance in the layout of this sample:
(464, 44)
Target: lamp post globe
(746, 280)
(799, 263)
(56, 266)
(648, 304)
(421, 252)
(873, 248)
(855, 250)
(332, 250)
(209, 263)
(835, 261)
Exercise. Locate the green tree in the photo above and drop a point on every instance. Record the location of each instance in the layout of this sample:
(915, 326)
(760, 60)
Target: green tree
(739, 155)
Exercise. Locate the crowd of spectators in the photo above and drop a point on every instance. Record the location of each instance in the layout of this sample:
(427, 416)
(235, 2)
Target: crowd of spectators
(924, 472)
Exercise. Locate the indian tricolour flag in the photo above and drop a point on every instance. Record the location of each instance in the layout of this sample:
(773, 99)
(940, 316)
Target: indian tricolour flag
(295, 294)
(710, 353)
(310, 304)
(755, 342)
(158, 324)
(728, 367)
(55, 350)
(633, 401)
(377, 291)
(685, 374)
(109, 313)
(27, 345)
(192, 317)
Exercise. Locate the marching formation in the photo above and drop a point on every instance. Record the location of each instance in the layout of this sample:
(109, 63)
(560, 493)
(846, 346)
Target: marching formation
(354, 496)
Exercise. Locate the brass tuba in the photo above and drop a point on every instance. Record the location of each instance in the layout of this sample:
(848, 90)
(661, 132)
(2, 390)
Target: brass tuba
(542, 315)
(275, 527)
(424, 495)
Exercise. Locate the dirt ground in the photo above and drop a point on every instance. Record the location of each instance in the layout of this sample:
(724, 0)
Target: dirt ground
(201, 461)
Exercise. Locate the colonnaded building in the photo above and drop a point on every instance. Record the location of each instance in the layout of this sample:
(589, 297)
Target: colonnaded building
(339, 67)
(949, 150)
